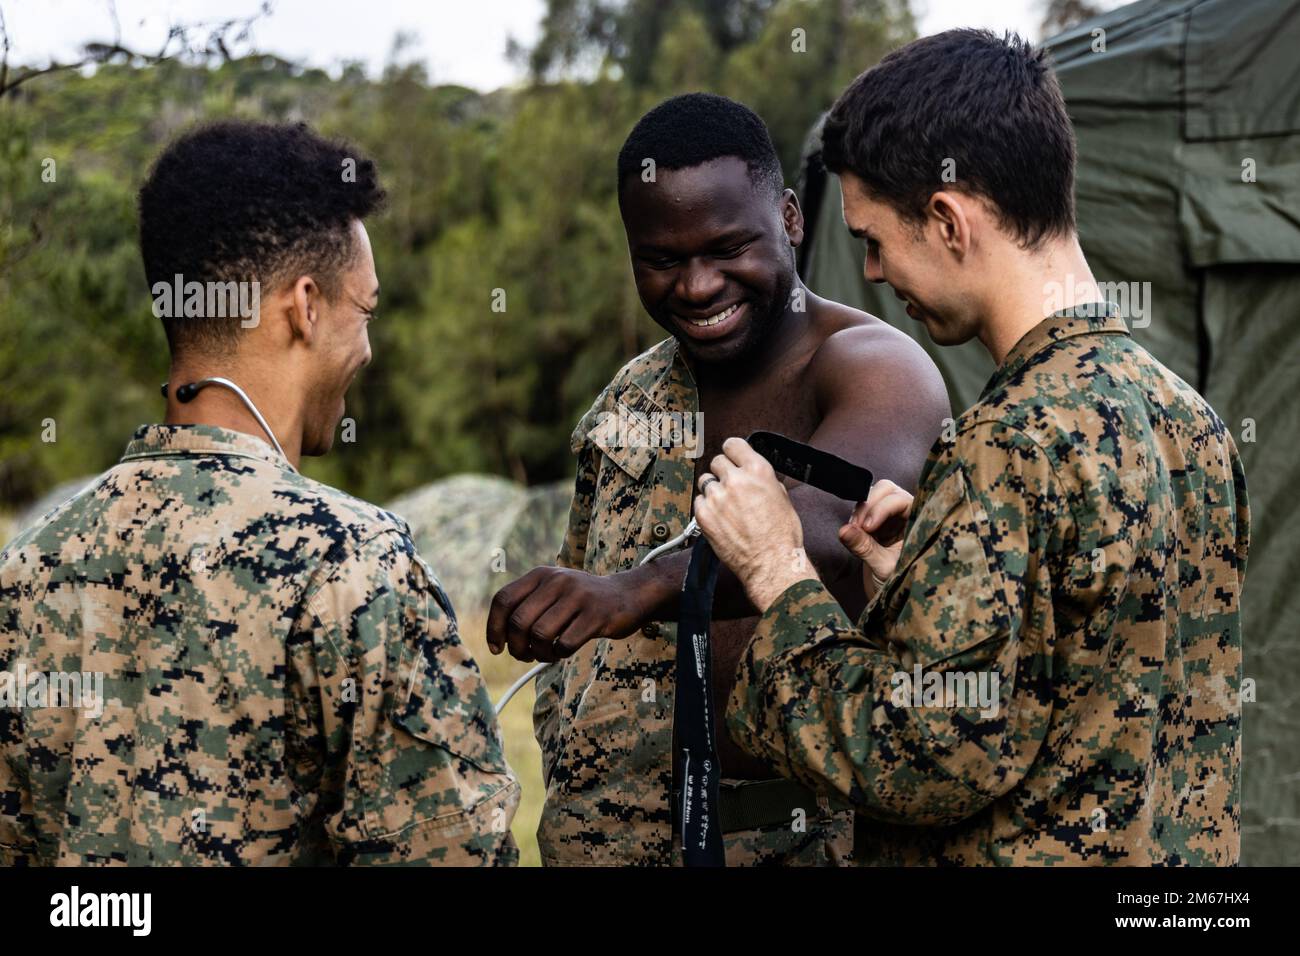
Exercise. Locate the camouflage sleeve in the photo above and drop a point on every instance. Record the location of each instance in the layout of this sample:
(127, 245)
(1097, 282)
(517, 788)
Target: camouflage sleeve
(414, 771)
(17, 824)
(573, 553)
(1243, 510)
(938, 705)
(18, 846)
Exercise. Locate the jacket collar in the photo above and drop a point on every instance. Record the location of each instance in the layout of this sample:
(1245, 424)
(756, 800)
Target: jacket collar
(163, 441)
(1089, 318)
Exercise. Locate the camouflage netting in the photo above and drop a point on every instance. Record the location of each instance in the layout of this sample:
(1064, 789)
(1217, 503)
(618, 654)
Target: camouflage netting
(479, 532)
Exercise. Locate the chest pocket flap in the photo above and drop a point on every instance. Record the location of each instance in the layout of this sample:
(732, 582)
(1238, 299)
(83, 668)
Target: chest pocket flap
(629, 434)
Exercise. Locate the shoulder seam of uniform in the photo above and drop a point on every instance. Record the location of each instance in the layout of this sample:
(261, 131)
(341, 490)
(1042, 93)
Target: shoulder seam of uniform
(1047, 455)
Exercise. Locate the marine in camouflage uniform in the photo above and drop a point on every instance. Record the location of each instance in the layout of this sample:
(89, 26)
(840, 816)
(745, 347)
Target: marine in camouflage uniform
(1084, 539)
(604, 716)
(283, 676)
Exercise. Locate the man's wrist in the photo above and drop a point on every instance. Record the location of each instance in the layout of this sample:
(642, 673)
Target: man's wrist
(653, 590)
(767, 584)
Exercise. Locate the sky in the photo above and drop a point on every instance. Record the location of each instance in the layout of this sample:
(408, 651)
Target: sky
(460, 41)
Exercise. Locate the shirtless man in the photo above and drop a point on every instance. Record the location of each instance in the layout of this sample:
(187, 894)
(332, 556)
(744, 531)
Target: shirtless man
(712, 233)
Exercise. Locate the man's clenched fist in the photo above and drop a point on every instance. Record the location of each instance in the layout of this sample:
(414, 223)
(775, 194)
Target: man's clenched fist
(551, 612)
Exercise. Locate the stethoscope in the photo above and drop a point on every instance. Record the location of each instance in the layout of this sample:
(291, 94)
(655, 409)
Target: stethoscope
(691, 532)
(185, 394)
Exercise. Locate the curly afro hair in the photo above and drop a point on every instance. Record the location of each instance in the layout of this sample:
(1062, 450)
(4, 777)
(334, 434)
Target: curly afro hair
(242, 201)
(695, 128)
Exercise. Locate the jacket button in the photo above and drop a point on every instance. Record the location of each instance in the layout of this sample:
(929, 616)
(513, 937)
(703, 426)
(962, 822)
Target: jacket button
(661, 531)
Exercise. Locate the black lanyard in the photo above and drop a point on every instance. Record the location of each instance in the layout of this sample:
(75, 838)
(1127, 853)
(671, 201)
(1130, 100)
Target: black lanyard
(696, 759)
(695, 762)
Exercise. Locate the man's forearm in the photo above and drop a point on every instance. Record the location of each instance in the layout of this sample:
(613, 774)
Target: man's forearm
(659, 583)
(659, 588)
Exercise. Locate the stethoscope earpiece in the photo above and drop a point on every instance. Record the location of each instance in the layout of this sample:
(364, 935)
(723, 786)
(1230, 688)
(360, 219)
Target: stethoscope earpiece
(185, 394)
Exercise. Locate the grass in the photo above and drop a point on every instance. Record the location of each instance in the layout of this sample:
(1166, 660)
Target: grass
(517, 727)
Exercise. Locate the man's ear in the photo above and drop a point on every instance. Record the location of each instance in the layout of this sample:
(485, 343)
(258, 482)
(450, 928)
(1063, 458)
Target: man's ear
(951, 213)
(305, 308)
(792, 217)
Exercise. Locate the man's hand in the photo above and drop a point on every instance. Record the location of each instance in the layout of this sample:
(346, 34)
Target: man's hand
(875, 532)
(746, 514)
(551, 612)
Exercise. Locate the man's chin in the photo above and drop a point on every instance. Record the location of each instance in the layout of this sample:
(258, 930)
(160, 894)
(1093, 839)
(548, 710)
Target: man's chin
(711, 353)
(941, 333)
(723, 351)
(317, 448)
(320, 443)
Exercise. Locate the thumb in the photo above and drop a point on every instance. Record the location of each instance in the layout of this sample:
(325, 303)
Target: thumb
(861, 544)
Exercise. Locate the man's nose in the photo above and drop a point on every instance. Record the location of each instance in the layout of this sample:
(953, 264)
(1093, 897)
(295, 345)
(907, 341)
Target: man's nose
(871, 267)
(699, 282)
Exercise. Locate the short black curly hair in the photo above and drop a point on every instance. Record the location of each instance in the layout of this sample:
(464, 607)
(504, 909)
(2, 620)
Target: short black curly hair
(991, 105)
(243, 201)
(694, 128)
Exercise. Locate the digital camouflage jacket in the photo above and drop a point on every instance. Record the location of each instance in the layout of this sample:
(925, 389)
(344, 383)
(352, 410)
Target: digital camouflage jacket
(1076, 550)
(280, 676)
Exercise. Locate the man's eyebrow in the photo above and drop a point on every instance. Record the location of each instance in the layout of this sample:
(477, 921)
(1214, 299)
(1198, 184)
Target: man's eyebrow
(729, 238)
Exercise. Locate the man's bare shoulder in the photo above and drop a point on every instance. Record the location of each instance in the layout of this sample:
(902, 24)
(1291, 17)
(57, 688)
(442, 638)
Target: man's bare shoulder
(864, 353)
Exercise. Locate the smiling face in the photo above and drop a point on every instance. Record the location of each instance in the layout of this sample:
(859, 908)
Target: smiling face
(712, 255)
(917, 260)
(343, 347)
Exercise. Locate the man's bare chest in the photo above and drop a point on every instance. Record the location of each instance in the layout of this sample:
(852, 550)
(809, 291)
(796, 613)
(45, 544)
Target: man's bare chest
(781, 403)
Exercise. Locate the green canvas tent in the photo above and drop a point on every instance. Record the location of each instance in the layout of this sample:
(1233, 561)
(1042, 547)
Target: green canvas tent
(1187, 114)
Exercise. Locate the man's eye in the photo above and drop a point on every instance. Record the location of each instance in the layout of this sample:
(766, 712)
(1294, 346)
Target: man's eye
(732, 252)
(660, 262)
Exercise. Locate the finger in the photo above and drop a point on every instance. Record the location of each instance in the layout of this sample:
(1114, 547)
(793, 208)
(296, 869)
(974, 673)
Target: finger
(547, 628)
(520, 624)
(723, 467)
(858, 542)
(503, 604)
(859, 512)
(577, 633)
(891, 506)
(703, 514)
(542, 651)
(875, 557)
(879, 489)
(739, 452)
(705, 480)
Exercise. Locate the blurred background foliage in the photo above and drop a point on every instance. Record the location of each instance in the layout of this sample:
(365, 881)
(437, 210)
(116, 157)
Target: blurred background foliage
(511, 190)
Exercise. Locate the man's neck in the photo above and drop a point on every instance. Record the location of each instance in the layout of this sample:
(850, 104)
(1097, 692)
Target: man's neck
(219, 407)
(1032, 287)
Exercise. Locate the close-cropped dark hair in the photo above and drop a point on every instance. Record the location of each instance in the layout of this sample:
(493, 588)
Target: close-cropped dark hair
(694, 128)
(990, 104)
(238, 201)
